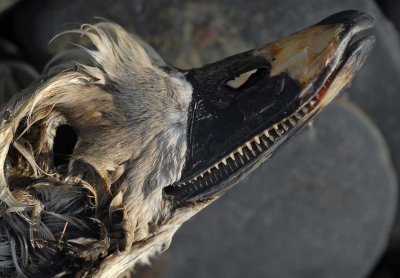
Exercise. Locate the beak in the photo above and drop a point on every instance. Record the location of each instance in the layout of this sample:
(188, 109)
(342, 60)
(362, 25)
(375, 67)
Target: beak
(246, 106)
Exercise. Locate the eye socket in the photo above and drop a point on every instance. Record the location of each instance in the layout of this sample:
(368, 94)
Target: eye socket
(64, 143)
(246, 79)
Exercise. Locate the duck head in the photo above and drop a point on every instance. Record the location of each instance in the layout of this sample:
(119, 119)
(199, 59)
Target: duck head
(246, 106)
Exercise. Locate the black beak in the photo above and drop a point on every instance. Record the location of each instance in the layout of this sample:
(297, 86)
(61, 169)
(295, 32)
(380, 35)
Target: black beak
(247, 105)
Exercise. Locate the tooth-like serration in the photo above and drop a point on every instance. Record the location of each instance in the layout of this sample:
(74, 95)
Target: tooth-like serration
(248, 144)
(272, 138)
(265, 140)
(225, 169)
(278, 131)
(259, 146)
(292, 121)
(252, 150)
(246, 153)
(241, 159)
(243, 153)
(298, 116)
(236, 163)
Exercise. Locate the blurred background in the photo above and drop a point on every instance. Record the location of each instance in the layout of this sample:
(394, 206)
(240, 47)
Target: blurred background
(326, 204)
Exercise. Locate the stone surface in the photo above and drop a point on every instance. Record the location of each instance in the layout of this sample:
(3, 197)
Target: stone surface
(8, 50)
(15, 74)
(322, 207)
(7, 4)
(391, 9)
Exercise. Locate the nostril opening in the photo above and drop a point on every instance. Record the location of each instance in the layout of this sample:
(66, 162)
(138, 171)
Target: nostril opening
(64, 144)
(247, 79)
(240, 80)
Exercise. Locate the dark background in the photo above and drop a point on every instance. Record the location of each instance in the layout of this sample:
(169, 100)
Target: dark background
(326, 204)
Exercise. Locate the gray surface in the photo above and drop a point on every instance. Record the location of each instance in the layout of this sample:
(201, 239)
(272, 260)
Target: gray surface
(7, 4)
(321, 208)
(391, 9)
(15, 74)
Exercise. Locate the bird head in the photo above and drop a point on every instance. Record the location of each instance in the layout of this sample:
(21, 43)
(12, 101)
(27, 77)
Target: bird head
(154, 144)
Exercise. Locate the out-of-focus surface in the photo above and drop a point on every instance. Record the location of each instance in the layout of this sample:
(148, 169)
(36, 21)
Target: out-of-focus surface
(7, 4)
(323, 206)
(15, 74)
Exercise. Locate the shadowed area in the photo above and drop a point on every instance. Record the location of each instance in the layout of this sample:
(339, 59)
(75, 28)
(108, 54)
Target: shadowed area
(64, 144)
